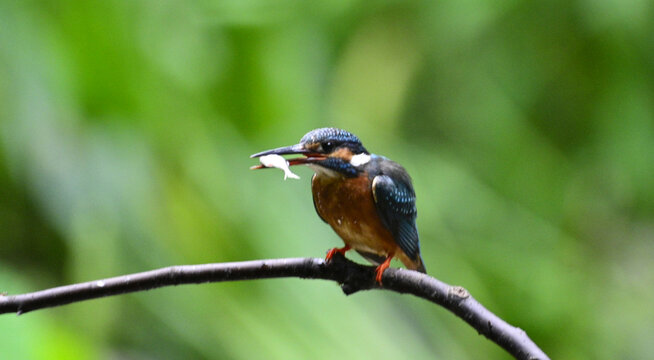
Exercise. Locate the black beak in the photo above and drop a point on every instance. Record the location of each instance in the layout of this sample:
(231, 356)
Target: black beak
(293, 149)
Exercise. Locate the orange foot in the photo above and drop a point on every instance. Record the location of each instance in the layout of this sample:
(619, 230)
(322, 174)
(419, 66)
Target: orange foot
(332, 252)
(381, 268)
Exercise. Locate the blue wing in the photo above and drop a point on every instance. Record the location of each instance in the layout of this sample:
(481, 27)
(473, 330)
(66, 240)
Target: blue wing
(396, 204)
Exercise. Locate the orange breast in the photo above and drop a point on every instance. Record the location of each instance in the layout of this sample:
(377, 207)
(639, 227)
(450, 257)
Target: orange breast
(347, 204)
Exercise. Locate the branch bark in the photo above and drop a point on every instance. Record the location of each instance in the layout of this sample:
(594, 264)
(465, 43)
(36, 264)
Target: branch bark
(351, 276)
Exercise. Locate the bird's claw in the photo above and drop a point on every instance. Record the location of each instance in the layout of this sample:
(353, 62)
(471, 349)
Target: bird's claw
(334, 251)
(381, 268)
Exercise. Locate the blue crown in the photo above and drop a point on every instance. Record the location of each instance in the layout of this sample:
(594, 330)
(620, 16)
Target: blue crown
(325, 134)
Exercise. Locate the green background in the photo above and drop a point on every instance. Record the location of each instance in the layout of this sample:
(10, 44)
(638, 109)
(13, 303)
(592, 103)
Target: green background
(528, 129)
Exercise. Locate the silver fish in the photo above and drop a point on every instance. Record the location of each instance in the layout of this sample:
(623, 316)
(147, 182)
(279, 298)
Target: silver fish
(278, 162)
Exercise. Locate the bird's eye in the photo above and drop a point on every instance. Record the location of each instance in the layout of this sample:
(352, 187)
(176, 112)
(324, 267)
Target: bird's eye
(328, 146)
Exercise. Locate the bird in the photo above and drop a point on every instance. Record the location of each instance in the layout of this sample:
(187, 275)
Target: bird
(367, 199)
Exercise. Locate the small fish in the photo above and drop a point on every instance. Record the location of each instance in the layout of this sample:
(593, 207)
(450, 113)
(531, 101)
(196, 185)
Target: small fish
(276, 161)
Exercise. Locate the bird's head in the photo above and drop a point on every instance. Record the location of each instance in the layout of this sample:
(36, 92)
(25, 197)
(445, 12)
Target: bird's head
(329, 150)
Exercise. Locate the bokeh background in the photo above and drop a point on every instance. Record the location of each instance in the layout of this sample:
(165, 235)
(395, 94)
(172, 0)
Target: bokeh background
(528, 128)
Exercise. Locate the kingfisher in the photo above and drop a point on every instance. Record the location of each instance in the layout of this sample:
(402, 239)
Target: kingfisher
(367, 199)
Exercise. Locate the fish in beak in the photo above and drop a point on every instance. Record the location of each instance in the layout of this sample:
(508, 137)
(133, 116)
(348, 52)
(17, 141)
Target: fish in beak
(309, 156)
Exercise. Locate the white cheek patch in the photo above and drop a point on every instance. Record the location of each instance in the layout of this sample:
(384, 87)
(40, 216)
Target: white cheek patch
(359, 159)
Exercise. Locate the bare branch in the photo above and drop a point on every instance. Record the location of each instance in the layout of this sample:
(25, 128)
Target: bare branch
(351, 276)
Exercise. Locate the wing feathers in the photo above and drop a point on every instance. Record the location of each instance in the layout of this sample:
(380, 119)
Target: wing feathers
(396, 204)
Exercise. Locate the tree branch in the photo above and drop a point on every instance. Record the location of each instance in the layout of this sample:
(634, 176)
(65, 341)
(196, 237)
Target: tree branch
(351, 276)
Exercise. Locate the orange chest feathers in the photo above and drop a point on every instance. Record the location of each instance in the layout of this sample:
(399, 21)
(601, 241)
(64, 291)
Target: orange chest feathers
(348, 206)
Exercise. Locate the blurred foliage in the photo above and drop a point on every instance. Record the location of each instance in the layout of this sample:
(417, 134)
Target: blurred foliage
(528, 128)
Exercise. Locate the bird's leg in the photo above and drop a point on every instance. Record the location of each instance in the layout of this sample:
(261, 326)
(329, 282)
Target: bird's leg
(332, 252)
(382, 267)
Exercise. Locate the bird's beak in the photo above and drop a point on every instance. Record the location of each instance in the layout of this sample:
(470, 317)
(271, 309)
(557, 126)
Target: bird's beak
(286, 150)
(310, 156)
